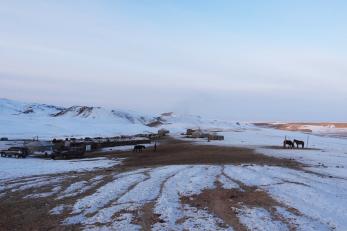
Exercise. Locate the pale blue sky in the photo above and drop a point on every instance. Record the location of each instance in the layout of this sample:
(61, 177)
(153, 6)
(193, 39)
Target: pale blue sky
(240, 60)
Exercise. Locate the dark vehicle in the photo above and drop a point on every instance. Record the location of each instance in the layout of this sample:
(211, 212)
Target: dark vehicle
(18, 152)
(3, 139)
(74, 151)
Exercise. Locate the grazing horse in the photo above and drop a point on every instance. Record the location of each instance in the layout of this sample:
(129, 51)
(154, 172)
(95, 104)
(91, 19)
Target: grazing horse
(139, 148)
(289, 143)
(299, 143)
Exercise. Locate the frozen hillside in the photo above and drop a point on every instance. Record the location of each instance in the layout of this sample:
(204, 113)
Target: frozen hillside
(178, 123)
(25, 120)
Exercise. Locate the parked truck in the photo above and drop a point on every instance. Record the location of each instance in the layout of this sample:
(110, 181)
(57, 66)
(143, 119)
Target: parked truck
(18, 152)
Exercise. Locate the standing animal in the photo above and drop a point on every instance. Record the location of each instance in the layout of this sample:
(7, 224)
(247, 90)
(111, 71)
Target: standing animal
(139, 148)
(299, 143)
(289, 143)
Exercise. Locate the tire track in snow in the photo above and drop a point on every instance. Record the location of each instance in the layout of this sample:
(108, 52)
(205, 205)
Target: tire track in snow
(134, 199)
(175, 215)
(145, 225)
(275, 216)
(295, 213)
(104, 197)
(158, 192)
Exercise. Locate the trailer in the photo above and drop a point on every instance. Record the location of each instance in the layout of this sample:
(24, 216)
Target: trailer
(39, 147)
(68, 152)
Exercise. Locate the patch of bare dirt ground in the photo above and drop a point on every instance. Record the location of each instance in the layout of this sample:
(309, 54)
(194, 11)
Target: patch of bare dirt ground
(18, 213)
(146, 217)
(286, 126)
(178, 152)
(227, 203)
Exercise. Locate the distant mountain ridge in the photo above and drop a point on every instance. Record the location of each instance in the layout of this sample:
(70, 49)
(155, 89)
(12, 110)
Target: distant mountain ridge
(17, 108)
(26, 120)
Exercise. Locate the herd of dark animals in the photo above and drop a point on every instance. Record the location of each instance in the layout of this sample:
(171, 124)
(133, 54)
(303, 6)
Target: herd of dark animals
(291, 144)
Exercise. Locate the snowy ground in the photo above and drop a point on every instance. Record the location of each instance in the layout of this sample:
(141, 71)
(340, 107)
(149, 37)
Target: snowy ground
(326, 155)
(245, 196)
(14, 168)
(304, 201)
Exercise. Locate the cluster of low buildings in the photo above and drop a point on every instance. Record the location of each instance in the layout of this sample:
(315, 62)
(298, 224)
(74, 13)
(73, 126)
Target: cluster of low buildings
(198, 133)
(71, 146)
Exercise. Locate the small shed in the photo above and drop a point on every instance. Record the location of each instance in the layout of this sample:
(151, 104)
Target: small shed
(39, 146)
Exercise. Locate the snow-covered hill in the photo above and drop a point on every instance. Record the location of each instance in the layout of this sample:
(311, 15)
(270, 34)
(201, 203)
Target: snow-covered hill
(178, 123)
(27, 120)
